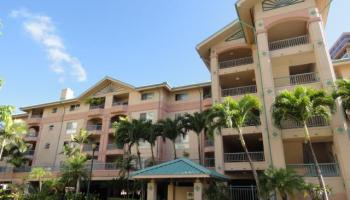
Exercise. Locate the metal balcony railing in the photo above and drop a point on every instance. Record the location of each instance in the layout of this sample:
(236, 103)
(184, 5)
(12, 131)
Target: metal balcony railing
(119, 103)
(209, 162)
(238, 90)
(309, 170)
(88, 147)
(22, 169)
(242, 157)
(93, 107)
(102, 166)
(316, 121)
(31, 135)
(113, 147)
(94, 127)
(236, 62)
(297, 79)
(29, 153)
(243, 192)
(36, 116)
(290, 42)
(208, 143)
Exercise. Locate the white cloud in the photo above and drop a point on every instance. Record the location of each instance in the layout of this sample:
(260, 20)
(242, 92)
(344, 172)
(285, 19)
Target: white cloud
(42, 30)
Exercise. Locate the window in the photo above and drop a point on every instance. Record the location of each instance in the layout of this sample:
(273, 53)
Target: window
(147, 96)
(147, 116)
(47, 146)
(177, 115)
(74, 107)
(54, 110)
(182, 142)
(181, 97)
(51, 127)
(71, 127)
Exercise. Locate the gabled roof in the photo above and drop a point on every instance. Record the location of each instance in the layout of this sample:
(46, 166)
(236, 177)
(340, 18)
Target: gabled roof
(179, 168)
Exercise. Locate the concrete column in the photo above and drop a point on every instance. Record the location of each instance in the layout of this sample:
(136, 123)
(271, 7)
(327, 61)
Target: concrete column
(152, 190)
(216, 96)
(198, 190)
(324, 64)
(171, 191)
(271, 135)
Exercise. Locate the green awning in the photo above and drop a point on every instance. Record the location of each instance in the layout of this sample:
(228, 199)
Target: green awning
(179, 168)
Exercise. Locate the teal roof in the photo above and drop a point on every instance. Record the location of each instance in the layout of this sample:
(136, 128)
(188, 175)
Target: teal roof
(181, 167)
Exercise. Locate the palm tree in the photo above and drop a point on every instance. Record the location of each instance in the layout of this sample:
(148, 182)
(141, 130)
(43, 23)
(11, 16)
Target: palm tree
(131, 133)
(38, 173)
(82, 137)
(234, 114)
(125, 165)
(285, 181)
(343, 92)
(171, 129)
(12, 131)
(74, 168)
(300, 105)
(196, 122)
(151, 137)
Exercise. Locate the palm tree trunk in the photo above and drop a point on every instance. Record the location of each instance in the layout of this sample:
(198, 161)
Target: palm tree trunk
(2, 148)
(77, 189)
(153, 159)
(174, 149)
(138, 155)
(255, 174)
(199, 148)
(40, 185)
(314, 158)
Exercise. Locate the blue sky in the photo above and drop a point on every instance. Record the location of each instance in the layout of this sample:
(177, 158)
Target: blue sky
(50, 45)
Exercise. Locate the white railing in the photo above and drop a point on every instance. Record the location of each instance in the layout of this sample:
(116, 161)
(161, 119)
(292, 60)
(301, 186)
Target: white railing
(31, 135)
(102, 166)
(290, 42)
(236, 62)
(309, 170)
(120, 103)
(297, 79)
(238, 90)
(94, 127)
(88, 147)
(315, 121)
(36, 116)
(242, 157)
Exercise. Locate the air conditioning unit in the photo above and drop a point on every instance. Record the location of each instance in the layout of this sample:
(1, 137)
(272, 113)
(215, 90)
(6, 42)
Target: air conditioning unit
(190, 196)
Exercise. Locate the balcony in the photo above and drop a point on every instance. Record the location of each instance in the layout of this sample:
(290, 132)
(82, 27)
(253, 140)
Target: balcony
(120, 103)
(243, 192)
(88, 147)
(208, 143)
(238, 91)
(236, 62)
(103, 166)
(94, 127)
(297, 79)
(290, 42)
(95, 107)
(209, 162)
(36, 116)
(242, 157)
(113, 147)
(316, 121)
(309, 170)
(22, 169)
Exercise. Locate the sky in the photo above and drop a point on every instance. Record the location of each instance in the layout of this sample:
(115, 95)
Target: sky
(46, 46)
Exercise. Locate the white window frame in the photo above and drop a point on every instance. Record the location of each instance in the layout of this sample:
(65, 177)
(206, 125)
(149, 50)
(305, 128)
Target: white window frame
(182, 96)
(73, 129)
(147, 96)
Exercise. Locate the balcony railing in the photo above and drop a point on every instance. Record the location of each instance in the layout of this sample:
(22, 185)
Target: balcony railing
(208, 143)
(36, 116)
(88, 147)
(29, 153)
(238, 90)
(93, 107)
(243, 192)
(22, 169)
(94, 127)
(316, 121)
(242, 157)
(309, 170)
(209, 162)
(113, 147)
(297, 79)
(120, 103)
(31, 135)
(235, 62)
(102, 166)
(290, 42)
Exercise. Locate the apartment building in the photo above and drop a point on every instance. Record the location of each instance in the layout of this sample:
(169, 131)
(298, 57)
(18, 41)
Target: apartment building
(272, 46)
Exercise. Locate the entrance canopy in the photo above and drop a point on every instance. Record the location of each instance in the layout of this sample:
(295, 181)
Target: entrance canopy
(179, 168)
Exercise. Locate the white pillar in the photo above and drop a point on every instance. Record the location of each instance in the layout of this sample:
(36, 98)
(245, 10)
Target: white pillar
(152, 190)
(198, 190)
(171, 191)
